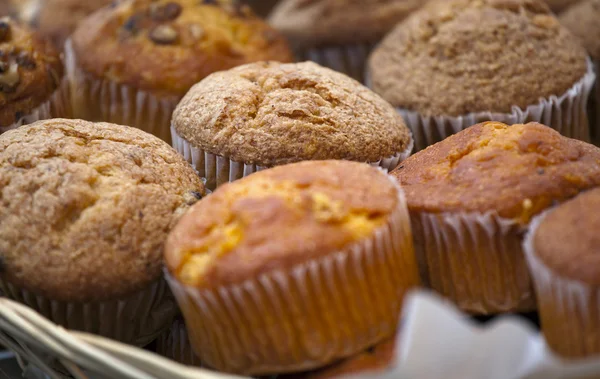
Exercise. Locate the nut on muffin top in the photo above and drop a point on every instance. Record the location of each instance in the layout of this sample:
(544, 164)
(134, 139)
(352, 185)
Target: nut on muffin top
(516, 171)
(167, 46)
(278, 218)
(269, 114)
(567, 241)
(323, 22)
(30, 71)
(582, 20)
(455, 57)
(85, 208)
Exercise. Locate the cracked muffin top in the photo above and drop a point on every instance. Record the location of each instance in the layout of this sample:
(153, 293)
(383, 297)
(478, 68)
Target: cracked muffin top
(263, 222)
(30, 71)
(270, 114)
(516, 171)
(85, 208)
(455, 57)
(167, 46)
(582, 21)
(324, 22)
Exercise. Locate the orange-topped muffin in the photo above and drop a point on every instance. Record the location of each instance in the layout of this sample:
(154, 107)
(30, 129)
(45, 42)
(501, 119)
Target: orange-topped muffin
(471, 197)
(312, 244)
(31, 77)
(132, 62)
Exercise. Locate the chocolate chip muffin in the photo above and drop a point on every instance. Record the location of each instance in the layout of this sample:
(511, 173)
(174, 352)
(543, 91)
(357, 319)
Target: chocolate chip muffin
(472, 196)
(243, 272)
(339, 33)
(131, 63)
(458, 62)
(32, 83)
(562, 250)
(85, 209)
(57, 19)
(267, 114)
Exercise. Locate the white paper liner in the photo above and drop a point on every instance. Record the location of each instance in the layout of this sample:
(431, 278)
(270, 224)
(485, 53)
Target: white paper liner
(572, 305)
(309, 315)
(175, 345)
(566, 113)
(348, 59)
(488, 280)
(57, 106)
(137, 319)
(99, 99)
(217, 170)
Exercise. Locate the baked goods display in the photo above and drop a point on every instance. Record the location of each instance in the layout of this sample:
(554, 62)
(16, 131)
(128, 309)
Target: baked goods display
(473, 195)
(562, 251)
(230, 206)
(32, 85)
(455, 63)
(84, 214)
(246, 245)
(325, 31)
(131, 63)
(265, 114)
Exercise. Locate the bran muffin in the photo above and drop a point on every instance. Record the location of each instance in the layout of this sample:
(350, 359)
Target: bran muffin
(32, 83)
(131, 63)
(472, 196)
(258, 299)
(562, 249)
(339, 34)
(85, 209)
(267, 114)
(455, 63)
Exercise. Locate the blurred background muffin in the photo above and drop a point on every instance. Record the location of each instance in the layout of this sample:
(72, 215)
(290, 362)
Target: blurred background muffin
(562, 249)
(85, 211)
(32, 80)
(455, 63)
(339, 34)
(293, 255)
(472, 196)
(267, 114)
(131, 63)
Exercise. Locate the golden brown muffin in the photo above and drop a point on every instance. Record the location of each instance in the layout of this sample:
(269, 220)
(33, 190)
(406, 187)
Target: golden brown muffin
(559, 6)
(457, 57)
(31, 76)
(471, 197)
(268, 114)
(563, 253)
(134, 61)
(246, 245)
(57, 19)
(85, 210)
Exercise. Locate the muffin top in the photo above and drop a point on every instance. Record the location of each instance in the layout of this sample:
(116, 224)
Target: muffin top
(455, 57)
(516, 171)
(582, 20)
(30, 71)
(168, 46)
(85, 208)
(265, 221)
(567, 239)
(323, 22)
(269, 114)
(57, 19)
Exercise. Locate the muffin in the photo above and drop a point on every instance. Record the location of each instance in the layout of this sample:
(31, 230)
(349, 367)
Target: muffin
(85, 211)
(455, 63)
(274, 272)
(562, 250)
(57, 19)
(32, 81)
(339, 34)
(472, 196)
(267, 114)
(131, 63)
(174, 344)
